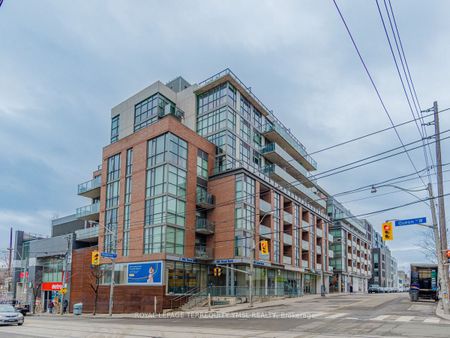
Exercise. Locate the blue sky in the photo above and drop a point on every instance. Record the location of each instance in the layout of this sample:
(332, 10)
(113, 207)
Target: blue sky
(64, 64)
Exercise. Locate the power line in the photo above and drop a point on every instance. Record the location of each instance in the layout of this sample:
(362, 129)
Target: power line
(376, 89)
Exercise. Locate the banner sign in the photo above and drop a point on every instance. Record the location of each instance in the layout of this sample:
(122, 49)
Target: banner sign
(51, 286)
(148, 273)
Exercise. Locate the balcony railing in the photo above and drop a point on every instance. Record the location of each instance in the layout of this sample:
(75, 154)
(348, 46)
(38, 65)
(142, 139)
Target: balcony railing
(304, 264)
(319, 232)
(265, 231)
(90, 185)
(264, 206)
(287, 260)
(87, 233)
(330, 237)
(305, 226)
(318, 250)
(331, 253)
(88, 210)
(203, 252)
(203, 226)
(206, 200)
(287, 217)
(287, 239)
(305, 245)
(318, 266)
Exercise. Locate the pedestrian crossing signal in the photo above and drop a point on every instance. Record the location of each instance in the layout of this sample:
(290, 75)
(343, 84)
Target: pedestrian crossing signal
(264, 247)
(217, 271)
(95, 258)
(387, 231)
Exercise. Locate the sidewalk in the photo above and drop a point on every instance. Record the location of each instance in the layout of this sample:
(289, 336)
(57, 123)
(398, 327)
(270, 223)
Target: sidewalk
(218, 309)
(440, 311)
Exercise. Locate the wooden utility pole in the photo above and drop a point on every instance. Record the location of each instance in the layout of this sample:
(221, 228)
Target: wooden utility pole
(442, 224)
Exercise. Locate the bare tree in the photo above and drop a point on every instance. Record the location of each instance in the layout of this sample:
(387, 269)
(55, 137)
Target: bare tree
(95, 278)
(36, 289)
(427, 245)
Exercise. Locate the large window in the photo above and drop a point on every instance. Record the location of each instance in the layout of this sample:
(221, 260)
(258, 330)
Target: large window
(246, 109)
(165, 194)
(245, 130)
(223, 118)
(217, 96)
(115, 128)
(244, 214)
(112, 203)
(127, 204)
(225, 142)
(202, 164)
(147, 111)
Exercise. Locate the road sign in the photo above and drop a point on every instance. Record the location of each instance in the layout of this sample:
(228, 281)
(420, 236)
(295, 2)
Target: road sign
(402, 222)
(108, 255)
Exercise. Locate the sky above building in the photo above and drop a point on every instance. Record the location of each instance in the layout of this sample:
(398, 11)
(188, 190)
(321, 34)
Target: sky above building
(64, 64)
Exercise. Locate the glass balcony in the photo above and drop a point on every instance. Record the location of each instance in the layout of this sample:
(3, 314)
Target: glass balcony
(287, 239)
(331, 253)
(277, 132)
(204, 253)
(274, 153)
(203, 226)
(87, 234)
(205, 200)
(264, 206)
(318, 266)
(88, 212)
(319, 232)
(305, 226)
(282, 177)
(305, 245)
(91, 188)
(318, 249)
(330, 237)
(287, 260)
(304, 264)
(265, 231)
(287, 217)
(330, 268)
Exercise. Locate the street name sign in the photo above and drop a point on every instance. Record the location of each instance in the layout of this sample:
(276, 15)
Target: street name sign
(108, 255)
(402, 222)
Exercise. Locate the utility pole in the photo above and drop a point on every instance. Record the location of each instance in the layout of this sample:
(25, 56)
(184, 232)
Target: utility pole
(439, 256)
(252, 259)
(442, 224)
(66, 256)
(10, 249)
(111, 287)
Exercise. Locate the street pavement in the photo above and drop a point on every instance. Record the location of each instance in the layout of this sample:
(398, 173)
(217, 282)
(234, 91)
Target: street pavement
(356, 315)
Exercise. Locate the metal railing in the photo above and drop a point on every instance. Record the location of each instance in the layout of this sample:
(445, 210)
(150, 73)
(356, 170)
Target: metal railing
(284, 130)
(88, 209)
(203, 252)
(202, 223)
(96, 182)
(206, 198)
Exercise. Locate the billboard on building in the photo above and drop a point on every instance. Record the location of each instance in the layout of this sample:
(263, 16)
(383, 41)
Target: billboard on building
(148, 273)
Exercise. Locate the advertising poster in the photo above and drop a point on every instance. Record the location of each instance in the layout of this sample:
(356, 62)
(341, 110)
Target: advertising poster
(148, 273)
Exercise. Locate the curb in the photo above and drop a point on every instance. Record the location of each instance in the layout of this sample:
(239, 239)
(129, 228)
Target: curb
(440, 312)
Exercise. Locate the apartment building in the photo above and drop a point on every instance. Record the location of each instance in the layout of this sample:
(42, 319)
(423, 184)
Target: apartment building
(351, 259)
(197, 176)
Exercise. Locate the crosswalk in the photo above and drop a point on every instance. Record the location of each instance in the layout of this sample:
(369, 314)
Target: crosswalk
(380, 318)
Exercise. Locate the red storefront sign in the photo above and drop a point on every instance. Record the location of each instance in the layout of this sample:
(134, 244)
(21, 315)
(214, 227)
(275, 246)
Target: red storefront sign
(51, 286)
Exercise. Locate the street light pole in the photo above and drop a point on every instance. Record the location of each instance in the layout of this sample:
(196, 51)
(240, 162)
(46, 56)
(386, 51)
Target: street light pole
(252, 258)
(439, 251)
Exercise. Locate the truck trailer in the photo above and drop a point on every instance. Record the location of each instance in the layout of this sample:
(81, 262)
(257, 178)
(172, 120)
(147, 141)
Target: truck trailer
(424, 282)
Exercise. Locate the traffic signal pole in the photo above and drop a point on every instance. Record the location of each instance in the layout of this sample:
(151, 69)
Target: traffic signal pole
(442, 222)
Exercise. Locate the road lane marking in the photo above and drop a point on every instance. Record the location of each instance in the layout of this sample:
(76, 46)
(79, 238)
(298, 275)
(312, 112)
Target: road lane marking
(404, 318)
(382, 317)
(317, 314)
(337, 315)
(432, 320)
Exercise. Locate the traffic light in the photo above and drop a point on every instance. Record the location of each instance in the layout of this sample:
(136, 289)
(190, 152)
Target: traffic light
(387, 231)
(95, 258)
(264, 247)
(217, 271)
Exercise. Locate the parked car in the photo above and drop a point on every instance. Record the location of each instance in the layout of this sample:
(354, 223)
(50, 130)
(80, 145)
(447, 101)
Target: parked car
(9, 315)
(374, 289)
(383, 289)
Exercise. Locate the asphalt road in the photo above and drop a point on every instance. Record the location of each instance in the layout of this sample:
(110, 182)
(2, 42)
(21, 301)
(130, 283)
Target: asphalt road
(383, 315)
